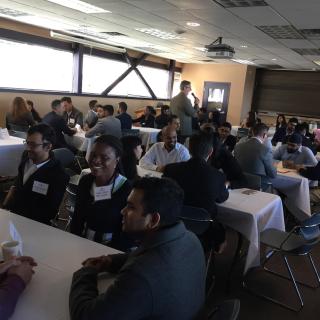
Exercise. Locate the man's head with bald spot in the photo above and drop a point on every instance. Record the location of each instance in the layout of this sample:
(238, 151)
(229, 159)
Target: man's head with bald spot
(169, 136)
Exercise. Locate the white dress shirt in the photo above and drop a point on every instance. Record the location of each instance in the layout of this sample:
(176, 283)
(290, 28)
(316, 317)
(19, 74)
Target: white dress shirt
(158, 155)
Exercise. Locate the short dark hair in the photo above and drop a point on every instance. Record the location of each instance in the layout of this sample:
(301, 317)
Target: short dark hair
(123, 106)
(163, 196)
(67, 99)
(184, 83)
(301, 126)
(293, 120)
(172, 117)
(295, 138)
(109, 108)
(227, 125)
(200, 145)
(55, 103)
(259, 129)
(30, 103)
(164, 108)
(111, 141)
(92, 103)
(47, 132)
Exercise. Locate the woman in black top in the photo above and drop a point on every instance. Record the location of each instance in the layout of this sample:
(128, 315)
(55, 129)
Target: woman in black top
(102, 195)
(132, 151)
(34, 112)
(147, 119)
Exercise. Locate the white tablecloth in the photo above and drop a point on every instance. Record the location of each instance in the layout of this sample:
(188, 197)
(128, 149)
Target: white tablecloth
(296, 190)
(250, 215)
(148, 135)
(58, 254)
(11, 150)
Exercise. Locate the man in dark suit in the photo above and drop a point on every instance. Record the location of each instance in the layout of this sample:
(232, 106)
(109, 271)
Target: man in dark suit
(72, 115)
(227, 139)
(282, 134)
(123, 116)
(56, 121)
(255, 157)
(157, 280)
(41, 181)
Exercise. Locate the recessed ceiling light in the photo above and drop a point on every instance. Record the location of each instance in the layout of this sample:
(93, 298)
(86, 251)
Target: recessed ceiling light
(242, 61)
(159, 34)
(80, 6)
(193, 24)
(243, 46)
(317, 62)
(274, 59)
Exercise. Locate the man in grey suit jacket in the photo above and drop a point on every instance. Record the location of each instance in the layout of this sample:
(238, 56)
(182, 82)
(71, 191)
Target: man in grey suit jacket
(107, 123)
(255, 158)
(163, 279)
(181, 106)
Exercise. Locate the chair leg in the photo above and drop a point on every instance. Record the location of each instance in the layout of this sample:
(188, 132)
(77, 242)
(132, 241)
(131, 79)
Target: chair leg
(315, 270)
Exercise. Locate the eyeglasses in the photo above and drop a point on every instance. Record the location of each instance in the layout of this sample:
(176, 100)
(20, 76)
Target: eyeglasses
(33, 145)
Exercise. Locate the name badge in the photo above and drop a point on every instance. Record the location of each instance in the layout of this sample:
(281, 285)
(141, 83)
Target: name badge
(40, 187)
(102, 193)
(72, 121)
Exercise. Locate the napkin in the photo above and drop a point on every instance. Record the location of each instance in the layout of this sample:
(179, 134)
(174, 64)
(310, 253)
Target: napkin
(15, 235)
(4, 134)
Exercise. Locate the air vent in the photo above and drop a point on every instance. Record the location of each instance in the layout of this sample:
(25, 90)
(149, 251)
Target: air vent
(241, 3)
(312, 34)
(114, 34)
(13, 13)
(308, 52)
(150, 49)
(281, 32)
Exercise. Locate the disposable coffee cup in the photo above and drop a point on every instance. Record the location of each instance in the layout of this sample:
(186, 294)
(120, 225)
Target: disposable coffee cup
(10, 249)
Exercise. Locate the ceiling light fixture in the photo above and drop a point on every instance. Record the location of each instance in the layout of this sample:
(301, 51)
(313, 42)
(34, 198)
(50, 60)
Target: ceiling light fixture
(80, 6)
(193, 24)
(159, 34)
(274, 59)
(242, 61)
(243, 46)
(86, 42)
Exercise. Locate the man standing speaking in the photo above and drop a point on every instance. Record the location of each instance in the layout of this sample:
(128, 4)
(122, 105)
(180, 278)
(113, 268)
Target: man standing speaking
(181, 106)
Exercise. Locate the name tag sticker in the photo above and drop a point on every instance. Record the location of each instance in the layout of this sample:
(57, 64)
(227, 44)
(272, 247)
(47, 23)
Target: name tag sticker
(72, 121)
(40, 187)
(102, 193)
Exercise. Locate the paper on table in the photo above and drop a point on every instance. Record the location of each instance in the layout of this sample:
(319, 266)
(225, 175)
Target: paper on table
(15, 235)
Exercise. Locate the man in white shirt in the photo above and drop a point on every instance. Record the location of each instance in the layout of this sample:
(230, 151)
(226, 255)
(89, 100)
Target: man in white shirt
(163, 153)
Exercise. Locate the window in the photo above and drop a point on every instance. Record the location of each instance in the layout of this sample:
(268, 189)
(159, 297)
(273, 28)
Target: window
(176, 83)
(157, 79)
(26, 66)
(99, 73)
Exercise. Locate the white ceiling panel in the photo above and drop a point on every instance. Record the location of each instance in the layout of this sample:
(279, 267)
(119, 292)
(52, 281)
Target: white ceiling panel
(191, 4)
(152, 5)
(292, 43)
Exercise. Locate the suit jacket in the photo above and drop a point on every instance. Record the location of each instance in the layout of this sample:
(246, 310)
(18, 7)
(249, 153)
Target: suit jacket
(126, 120)
(164, 279)
(108, 125)
(145, 122)
(75, 117)
(91, 118)
(279, 135)
(34, 205)
(21, 124)
(181, 106)
(59, 125)
(230, 142)
(255, 158)
(202, 184)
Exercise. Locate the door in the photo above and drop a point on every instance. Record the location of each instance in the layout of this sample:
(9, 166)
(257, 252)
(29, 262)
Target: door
(216, 97)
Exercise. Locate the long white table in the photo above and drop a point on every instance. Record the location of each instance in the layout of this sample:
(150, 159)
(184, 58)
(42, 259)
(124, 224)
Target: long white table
(58, 255)
(147, 135)
(250, 215)
(11, 150)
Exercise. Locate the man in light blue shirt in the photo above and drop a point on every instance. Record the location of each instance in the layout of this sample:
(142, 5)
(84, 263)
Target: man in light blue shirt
(294, 152)
(163, 153)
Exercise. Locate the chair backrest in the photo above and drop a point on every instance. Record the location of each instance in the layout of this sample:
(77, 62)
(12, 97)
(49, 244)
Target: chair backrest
(19, 134)
(253, 181)
(130, 132)
(227, 310)
(310, 230)
(196, 220)
(64, 156)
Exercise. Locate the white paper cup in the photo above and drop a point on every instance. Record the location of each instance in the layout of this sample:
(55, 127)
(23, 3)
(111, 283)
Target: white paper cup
(10, 249)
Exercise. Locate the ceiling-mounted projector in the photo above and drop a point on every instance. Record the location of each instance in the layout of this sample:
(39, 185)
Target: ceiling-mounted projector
(219, 50)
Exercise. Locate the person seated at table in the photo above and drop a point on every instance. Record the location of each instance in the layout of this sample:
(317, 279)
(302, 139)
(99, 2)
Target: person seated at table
(132, 152)
(227, 139)
(202, 116)
(293, 153)
(101, 195)
(19, 118)
(71, 115)
(302, 129)
(35, 114)
(163, 119)
(41, 182)
(91, 117)
(15, 275)
(124, 117)
(255, 158)
(282, 134)
(163, 153)
(156, 281)
(281, 122)
(251, 120)
(266, 142)
(147, 119)
(107, 123)
(56, 121)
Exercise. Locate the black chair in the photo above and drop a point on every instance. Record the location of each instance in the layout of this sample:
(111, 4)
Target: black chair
(242, 132)
(298, 242)
(19, 128)
(253, 181)
(64, 156)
